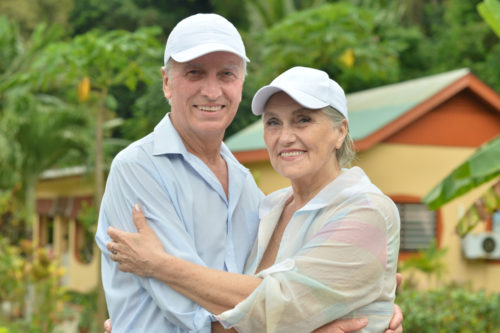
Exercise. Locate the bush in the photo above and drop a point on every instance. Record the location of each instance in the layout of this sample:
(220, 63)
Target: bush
(30, 279)
(449, 309)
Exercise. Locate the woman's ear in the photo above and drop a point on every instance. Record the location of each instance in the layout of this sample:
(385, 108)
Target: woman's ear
(342, 128)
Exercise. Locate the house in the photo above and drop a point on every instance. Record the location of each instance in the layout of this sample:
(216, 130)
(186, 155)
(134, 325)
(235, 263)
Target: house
(410, 136)
(62, 196)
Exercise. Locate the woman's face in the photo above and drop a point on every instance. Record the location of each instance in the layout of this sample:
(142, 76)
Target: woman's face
(301, 142)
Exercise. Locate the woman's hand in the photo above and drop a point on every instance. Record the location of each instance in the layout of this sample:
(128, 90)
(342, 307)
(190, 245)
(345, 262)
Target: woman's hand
(136, 253)
(107, 326)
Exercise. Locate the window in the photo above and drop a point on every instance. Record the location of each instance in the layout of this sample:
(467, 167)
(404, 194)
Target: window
(418, 226)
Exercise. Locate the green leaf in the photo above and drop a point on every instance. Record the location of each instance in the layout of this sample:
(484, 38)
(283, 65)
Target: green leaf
(482, 166)
(490, 12)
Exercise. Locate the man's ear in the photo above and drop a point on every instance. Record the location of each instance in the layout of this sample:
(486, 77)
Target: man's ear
(166, 87)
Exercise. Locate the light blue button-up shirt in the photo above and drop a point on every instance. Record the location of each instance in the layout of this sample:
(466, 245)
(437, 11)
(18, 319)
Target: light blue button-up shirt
(187, 207)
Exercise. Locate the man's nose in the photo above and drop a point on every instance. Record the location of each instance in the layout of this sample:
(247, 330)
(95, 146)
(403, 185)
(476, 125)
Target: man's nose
(211, 87)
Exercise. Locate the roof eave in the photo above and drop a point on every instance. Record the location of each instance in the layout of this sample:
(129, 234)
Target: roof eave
(468, 81)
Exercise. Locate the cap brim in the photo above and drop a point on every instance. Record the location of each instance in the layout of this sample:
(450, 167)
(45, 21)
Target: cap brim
(263, 94)
(201, 50)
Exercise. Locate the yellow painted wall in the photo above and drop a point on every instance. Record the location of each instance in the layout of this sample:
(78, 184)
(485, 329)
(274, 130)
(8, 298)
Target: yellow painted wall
(82, 277)
(74, 186)
(413, 170)
(265, 176)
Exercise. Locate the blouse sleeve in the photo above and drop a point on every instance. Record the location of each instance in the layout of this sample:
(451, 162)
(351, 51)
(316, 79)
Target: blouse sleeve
(342, 267)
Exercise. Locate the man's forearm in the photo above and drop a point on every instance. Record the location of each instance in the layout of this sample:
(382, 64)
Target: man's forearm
(215, 290)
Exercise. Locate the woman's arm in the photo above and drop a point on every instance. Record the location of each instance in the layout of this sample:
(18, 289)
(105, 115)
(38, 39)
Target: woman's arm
(217, 291)
(143, 254)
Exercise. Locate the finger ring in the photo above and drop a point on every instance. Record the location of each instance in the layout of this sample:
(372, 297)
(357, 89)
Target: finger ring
(114, 251)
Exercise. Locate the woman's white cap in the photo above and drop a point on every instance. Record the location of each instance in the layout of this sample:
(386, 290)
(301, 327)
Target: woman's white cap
(311, 88)
(201, 34)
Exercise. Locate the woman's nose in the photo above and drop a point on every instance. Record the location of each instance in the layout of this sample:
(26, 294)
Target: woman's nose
(287, 134)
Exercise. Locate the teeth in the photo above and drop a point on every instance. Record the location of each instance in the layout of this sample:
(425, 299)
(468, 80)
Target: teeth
(292, 153)
(209, 108)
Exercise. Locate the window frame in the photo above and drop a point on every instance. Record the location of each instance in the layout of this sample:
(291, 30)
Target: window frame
(407, 199)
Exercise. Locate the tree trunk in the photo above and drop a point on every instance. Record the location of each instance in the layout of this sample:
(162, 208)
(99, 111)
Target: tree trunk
(101, 314)
(30, 213)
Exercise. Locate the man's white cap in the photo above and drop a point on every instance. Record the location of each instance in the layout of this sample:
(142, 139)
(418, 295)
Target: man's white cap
(201, 34)
(311, 88)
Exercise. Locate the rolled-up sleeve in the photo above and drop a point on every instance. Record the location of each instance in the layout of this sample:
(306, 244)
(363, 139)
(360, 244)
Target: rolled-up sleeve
(340, 268)
(129, 297)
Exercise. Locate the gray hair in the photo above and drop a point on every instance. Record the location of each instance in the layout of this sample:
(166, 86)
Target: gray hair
(346, 153)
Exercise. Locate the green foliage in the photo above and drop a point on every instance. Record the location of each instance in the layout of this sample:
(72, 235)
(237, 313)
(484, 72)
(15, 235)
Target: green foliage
(449, 309)
(132, 14)
(263, 14)
(429, 261)
(87, 304)
(87, 217)
(147, 110)
(29, 14)
(344, 40)
(482, 166)
(12, 277)
(11, 218)
(29, 270)
(490, 12)
(457, 38)
(38, 127)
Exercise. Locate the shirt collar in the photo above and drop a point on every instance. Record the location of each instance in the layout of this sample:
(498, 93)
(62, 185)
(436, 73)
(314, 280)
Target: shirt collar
(349, 183)
(166, 138)
(168, 141)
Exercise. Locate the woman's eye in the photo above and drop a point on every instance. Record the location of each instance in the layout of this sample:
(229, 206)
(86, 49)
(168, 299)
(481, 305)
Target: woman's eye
(271, 122)
(304, 119)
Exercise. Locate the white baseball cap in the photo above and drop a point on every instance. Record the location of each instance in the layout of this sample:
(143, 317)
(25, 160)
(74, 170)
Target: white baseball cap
(201, 34)
(311, 88)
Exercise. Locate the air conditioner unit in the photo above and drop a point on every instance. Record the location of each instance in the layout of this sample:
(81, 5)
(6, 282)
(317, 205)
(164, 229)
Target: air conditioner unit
(485, 245)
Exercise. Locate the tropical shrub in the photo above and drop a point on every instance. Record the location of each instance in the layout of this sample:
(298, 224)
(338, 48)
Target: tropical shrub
(449, 309)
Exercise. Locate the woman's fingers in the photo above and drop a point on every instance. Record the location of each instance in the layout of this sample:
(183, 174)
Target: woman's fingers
(111, 246)
(114, 233)
(140, 220)
(135, 252)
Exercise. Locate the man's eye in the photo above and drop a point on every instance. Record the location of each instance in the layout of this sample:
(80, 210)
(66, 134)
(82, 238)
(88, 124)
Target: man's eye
(304, 119)
(227, 75)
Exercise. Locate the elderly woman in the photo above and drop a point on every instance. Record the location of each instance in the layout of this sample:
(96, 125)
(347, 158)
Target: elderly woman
(327, 246)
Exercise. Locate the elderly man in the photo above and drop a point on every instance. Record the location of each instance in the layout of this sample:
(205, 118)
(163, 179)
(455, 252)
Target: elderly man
(199, 200)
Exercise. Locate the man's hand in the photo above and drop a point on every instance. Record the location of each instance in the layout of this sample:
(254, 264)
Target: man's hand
(396, 324)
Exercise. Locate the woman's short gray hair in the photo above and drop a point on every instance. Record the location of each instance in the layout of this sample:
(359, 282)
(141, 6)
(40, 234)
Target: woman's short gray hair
(346, 153)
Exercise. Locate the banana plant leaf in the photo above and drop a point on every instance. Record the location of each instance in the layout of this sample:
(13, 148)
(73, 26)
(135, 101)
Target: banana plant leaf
(490, 12)
(479, 168)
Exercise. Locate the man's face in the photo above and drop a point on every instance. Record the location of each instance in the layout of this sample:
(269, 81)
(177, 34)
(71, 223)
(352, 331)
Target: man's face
(204, 93)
